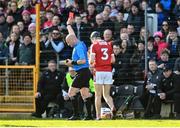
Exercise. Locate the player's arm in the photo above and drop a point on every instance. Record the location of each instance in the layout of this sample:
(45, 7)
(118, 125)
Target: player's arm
(69, 27)
(92, 55)
(92, 58)
(113, 59)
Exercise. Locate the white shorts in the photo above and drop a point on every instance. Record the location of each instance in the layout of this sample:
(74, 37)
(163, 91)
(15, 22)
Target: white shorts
(103, 78)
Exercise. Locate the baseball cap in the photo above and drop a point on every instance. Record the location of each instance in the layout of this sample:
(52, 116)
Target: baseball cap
(95, 34)
(158, 34)
(167, 68)
(26, 12)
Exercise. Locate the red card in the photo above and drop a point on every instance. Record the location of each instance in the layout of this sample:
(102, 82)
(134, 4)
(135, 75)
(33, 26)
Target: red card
(71, 15)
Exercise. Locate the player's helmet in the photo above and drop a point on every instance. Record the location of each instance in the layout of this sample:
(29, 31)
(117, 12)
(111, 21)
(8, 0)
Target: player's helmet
(95, 34)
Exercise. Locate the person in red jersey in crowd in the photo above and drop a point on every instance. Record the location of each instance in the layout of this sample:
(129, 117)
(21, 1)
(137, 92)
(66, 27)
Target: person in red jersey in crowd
(101, 58)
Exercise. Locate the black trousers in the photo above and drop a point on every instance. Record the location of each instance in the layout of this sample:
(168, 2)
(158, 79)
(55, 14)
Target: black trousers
(43, 101)
(153, 106)
(177, 103)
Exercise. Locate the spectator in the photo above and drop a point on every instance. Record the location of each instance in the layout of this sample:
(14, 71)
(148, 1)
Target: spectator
(177, 66)
(15, 12)
(3, 26)
(116, 65)
(100, 5)
(176, 10)
(45, 5)
(55, 42)
(119, 23)
(32, 31)
(13, 48)
(153, 108)
(137, 62)
(144, 4)
(3, 49)
(15, 29)
(178, 28)
(108, 36)
(166, 86)
(126, 6)
(131, 46)
(143, 34)
(159, 45)
(174, 43)
(21, 27)
(81, 30)
(165, 29)
(99, 25)
(26, 19)
(135, 17)
(167, 4)
(122, 73)
(49, 17)
(56, 24)
(151, 53)
(107, 22)
(161, 14)
(91, 13)
(164, 60)
(49, 89)
(114, 11)
(119, 5)
(26, 53)
(10, 22)
(133, 36)
(26, 5)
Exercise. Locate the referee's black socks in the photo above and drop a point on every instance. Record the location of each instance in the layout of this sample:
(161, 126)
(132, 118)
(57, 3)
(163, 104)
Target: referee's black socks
(75, 103)
(87, 102)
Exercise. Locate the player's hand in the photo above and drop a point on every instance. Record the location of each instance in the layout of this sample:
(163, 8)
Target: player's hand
(68, 63)
(37, 95)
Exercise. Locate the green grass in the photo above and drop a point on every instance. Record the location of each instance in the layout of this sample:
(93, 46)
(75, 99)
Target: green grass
(80, 124)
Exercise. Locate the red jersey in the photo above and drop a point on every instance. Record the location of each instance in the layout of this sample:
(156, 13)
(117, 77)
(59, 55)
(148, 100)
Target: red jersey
(103, 51)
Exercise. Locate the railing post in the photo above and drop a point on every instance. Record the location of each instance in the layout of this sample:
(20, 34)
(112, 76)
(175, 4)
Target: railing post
(57, 59)
(6, 78)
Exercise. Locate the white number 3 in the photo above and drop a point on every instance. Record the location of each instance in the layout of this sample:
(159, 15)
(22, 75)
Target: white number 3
(105, 54)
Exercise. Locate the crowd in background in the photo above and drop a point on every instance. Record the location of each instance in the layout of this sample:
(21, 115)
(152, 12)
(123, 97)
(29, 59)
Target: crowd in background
(119, 21)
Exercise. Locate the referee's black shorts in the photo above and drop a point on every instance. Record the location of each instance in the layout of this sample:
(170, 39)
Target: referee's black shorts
(82, 78)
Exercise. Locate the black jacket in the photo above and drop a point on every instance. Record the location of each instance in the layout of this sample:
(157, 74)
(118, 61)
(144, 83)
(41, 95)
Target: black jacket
(84, 33)
(167, 84)
(50, 83)
(154, 79)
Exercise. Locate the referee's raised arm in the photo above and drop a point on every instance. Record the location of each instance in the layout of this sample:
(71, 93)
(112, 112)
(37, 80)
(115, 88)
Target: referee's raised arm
(69, 27)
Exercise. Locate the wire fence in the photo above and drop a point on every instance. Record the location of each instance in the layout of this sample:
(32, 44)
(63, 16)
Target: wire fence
(17, 87)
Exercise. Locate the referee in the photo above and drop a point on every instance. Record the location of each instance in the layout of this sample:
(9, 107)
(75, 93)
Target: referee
(80, 64)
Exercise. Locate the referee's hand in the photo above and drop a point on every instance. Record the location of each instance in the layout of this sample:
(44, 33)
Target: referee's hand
(68, 63)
